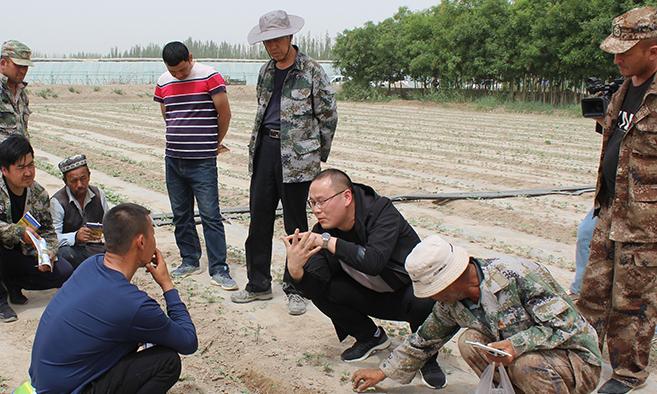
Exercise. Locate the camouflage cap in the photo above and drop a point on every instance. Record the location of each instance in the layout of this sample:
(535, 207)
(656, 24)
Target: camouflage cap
(71, 163)
(630, 28)
(18, 52)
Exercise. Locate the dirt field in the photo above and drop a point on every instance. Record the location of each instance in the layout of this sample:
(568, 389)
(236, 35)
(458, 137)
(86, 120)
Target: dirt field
(398, 148)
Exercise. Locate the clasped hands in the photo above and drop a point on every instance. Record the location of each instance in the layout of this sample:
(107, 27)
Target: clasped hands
(300, 247)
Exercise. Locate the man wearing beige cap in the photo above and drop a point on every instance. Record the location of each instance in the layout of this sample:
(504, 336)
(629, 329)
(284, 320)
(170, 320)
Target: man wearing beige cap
(514, 306)
(294, 126)
(619, 291)
(15, 58)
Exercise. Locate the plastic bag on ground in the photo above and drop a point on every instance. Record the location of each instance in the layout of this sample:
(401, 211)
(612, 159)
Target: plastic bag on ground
(487, 386)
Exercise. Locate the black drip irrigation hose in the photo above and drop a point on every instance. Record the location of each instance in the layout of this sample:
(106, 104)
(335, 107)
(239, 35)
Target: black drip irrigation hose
(166, 219)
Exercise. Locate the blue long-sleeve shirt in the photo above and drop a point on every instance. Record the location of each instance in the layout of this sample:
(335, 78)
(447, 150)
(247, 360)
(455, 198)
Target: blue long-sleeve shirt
(97, 318)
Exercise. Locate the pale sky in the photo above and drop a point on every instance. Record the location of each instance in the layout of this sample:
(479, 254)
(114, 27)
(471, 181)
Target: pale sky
(66, 26)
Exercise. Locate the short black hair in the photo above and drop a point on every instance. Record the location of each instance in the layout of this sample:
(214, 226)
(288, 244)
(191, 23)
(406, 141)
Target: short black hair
(339, 179)
(122, 224)
(13, 149)
(174, 53)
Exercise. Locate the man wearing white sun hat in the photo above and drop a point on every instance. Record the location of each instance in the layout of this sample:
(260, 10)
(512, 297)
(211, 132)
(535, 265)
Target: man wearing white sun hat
(294, 127)
(513, 306)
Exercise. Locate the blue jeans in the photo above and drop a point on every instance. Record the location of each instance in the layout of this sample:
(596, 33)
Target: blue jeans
(584, 234)
(186, 179)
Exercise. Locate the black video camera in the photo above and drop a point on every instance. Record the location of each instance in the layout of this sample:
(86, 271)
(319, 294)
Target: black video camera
(596, 106)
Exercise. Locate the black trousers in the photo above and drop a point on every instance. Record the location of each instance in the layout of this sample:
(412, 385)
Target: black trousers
(18, 271)
(154, 370)
(76, 254)
(267, 188)
(349, 305)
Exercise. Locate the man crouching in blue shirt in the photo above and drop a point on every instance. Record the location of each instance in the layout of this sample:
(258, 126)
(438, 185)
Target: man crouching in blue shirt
(88, 335)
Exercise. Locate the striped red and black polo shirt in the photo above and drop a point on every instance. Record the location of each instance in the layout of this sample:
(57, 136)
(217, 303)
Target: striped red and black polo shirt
(191, 117)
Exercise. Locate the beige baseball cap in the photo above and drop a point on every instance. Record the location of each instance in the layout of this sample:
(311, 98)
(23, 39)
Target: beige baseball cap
(434, 264)
(630, 28)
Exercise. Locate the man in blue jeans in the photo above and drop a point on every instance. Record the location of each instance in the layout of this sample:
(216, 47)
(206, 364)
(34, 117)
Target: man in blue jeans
(195, 107)
(584, 234)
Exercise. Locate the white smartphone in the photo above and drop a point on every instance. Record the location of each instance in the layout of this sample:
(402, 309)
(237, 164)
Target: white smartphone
(491, 350)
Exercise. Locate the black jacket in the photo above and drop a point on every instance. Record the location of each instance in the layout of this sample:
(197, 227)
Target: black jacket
(384, 240)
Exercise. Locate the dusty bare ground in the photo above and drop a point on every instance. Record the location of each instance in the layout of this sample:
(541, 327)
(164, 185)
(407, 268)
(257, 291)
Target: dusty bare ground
(398, 148)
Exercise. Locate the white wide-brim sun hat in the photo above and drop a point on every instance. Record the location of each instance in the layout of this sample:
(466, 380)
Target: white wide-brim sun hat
(275, 24)
(434, 264)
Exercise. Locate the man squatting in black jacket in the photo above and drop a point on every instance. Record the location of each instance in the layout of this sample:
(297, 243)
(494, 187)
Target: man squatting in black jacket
(351, 265)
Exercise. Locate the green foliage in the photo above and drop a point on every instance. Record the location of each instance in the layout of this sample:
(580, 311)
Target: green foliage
(47, 167)
(317, 47)
(355, 92)
(46, 93)
(120, 92)
(72, 89)
(112, 197)
(536, 50)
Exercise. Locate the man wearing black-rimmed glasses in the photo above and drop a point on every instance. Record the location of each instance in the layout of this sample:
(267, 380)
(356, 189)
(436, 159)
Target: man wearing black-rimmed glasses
(351, 265)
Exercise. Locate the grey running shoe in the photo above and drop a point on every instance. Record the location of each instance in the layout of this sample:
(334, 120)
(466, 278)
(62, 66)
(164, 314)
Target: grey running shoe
(244, 296)
(296, 305)
(7, 314)
(224, 280)
(184, 270)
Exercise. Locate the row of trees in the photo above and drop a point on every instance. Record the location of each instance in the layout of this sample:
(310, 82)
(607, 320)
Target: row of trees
(316, 47)
(531, 49)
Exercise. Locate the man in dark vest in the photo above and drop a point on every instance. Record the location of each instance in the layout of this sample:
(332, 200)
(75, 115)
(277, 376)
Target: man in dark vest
(75, 209)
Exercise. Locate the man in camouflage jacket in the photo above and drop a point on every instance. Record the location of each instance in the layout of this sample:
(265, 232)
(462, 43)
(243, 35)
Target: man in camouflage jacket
(619, 291)
(293, 131)
(19, 194)
(15, 58)
(515, 306)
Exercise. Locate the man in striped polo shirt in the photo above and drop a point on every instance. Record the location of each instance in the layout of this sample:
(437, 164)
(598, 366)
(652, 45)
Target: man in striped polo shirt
(195, 108)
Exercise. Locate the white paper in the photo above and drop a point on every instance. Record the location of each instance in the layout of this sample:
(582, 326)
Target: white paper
(42, 249)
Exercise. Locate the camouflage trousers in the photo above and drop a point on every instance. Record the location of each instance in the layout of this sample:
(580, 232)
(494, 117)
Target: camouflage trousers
(557, 371)
(619, 297)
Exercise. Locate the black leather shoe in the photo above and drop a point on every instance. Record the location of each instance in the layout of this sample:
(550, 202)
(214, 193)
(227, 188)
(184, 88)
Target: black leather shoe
(362, 349)
(613, 386)
(16, 297)
(432, 375)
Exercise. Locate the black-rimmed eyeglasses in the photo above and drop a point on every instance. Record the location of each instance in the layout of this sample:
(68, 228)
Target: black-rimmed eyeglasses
(319, 204)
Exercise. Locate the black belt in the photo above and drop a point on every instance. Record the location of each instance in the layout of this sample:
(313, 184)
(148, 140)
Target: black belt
(276, 134)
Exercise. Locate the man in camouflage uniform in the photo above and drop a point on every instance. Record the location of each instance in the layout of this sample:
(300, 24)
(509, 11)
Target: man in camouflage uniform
(19, 194)
(14, 104)
(294, 127)
(619, 292)
(516, 307)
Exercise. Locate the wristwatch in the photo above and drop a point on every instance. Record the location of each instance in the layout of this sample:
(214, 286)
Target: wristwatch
(325, 237)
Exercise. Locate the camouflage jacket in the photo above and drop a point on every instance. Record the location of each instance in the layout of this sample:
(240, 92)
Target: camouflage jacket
(521, 302)
(13, 115)
(308, 117)
(634, 209)
(37, 203)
